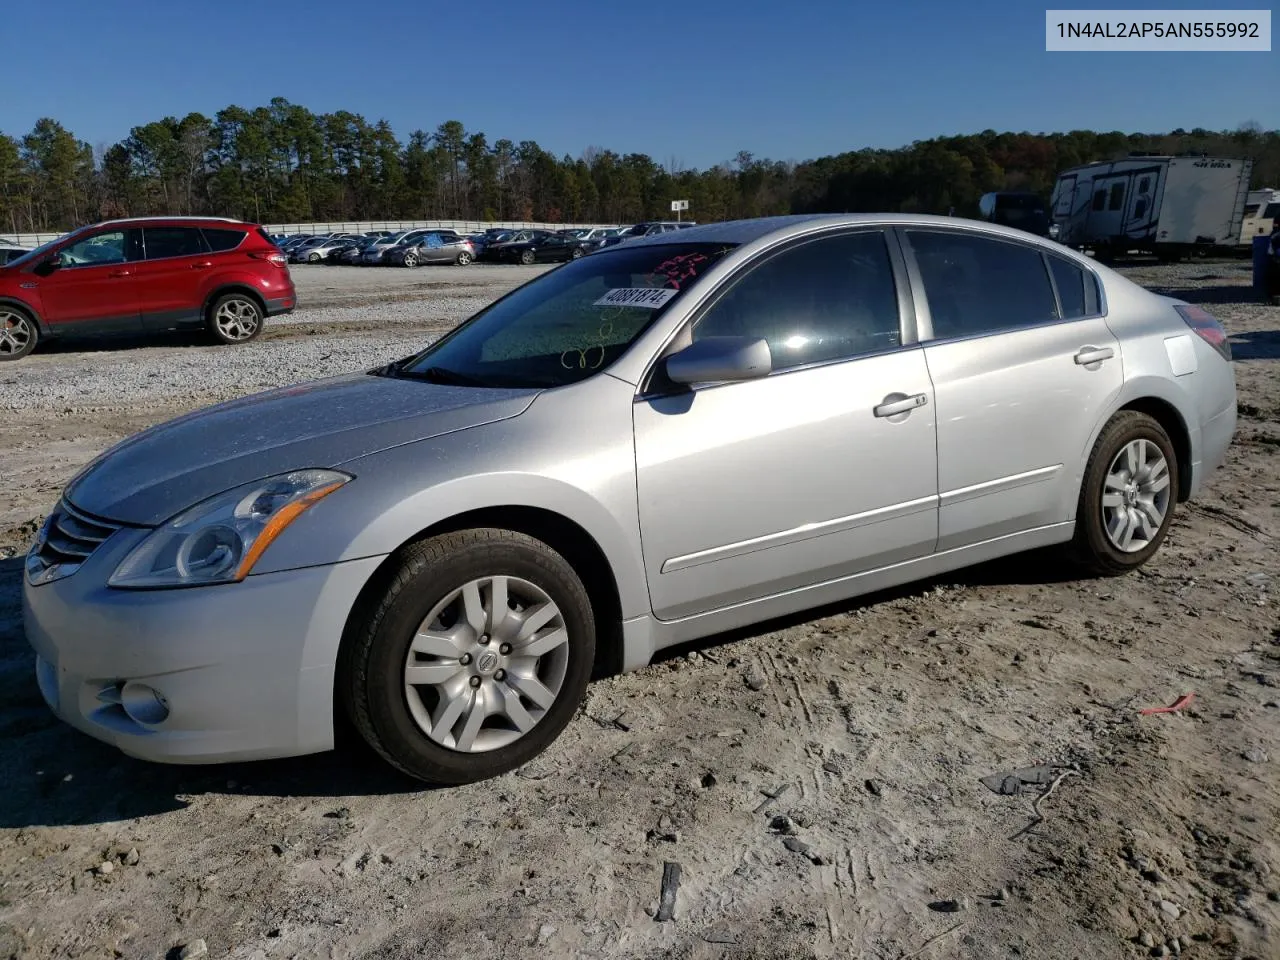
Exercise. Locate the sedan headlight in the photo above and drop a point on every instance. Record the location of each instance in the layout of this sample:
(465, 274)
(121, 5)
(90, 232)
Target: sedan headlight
(220, 539)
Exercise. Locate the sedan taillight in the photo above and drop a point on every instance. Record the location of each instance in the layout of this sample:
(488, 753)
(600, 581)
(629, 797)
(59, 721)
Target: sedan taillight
(1206, 325)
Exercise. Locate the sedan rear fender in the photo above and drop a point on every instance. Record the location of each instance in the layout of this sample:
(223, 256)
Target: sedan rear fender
(1170, 404)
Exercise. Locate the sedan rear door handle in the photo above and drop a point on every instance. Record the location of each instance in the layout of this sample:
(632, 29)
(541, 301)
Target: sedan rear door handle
(202, 265)
(118, 273)
(1088, 355)
(891, 408)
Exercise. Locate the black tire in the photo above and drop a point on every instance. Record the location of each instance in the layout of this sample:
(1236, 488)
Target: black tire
(577, 253)
(370, 677)
(313, 258)
(19, 332)
(250, 314)
(464, 258)
(1091, 547)
(528, 257)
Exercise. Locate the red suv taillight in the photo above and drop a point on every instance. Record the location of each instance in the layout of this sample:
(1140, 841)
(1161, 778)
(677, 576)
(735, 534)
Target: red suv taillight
(1206, 325)
(272, 256)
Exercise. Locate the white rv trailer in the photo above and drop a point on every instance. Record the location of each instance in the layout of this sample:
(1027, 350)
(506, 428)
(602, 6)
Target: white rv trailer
(1261, 209)
(1158, 204)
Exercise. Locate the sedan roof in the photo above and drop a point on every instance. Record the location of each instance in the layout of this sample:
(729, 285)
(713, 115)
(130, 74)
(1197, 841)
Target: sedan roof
(747, 231)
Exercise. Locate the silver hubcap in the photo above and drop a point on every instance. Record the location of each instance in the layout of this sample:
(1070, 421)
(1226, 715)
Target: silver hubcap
(410, 260)
(15, 333)
(464, 258)
(1135, 496)
(486, 664)
(237, 319)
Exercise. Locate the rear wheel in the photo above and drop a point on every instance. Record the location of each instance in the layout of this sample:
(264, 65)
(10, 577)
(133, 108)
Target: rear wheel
(410, 259)
(313, 258)
(1128, 495)
(235, 318)
(527, 257)
(464, 258)
(18, 333)
(475, 658)
(577, 252)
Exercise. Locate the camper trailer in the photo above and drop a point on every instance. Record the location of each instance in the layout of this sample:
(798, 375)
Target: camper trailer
(1169, 206)
(1261, 208)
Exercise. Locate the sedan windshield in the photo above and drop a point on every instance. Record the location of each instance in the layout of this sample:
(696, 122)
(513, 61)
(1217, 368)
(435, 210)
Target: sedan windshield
(567, 324)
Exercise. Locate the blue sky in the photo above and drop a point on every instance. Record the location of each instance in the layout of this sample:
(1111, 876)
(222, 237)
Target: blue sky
(693, 82)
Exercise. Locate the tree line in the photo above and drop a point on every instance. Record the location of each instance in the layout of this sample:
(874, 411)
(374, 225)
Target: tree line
(283, 163)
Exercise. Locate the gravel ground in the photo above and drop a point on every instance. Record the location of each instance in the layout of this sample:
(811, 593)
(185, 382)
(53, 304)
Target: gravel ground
(876, 720)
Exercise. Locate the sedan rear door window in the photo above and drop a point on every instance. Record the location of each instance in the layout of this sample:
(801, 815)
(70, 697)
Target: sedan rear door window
(826, 299)
(976, 285)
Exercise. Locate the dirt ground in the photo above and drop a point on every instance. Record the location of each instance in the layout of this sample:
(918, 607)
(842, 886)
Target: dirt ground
(872, 723)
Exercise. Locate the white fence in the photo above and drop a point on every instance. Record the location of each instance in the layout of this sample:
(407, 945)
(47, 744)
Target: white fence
(352, 226)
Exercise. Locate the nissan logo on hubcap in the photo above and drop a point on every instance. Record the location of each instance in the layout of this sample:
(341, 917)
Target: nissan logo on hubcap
(487, 661)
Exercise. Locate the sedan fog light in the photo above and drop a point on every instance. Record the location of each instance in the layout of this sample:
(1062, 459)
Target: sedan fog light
(144, 704)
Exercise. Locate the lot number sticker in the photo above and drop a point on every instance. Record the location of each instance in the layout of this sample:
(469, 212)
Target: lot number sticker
(650, 297)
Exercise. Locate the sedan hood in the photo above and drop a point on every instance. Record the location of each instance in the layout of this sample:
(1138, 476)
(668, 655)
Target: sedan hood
(161, 471)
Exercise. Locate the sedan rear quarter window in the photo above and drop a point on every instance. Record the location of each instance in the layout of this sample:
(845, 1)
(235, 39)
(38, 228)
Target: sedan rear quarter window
(1070, 281)
(976, 285)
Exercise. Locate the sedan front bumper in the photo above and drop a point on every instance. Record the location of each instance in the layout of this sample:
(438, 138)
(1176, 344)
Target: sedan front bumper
(242, 671)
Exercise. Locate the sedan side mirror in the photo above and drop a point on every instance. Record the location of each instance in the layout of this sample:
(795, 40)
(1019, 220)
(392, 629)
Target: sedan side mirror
(718, 359)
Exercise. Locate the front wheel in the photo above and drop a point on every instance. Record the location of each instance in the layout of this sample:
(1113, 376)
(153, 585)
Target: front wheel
(410, 259)
(475, 658)
(18, 334)
(313, 258)
(235, 318)
(1128, 495)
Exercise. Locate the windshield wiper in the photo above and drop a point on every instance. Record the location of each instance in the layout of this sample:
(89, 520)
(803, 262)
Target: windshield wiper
(443, 376)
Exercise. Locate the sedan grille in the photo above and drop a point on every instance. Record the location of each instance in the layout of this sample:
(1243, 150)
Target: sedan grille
(66, 540)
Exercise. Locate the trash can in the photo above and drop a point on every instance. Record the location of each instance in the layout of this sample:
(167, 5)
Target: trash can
(1261, 265)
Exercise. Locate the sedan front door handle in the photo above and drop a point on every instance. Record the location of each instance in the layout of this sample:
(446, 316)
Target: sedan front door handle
(891, 408)
(1088, 355)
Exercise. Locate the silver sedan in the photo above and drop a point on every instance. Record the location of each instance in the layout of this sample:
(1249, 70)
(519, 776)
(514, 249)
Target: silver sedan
(683, 435)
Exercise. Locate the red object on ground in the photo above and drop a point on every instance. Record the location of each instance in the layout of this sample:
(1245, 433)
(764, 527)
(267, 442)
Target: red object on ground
(1177, 705)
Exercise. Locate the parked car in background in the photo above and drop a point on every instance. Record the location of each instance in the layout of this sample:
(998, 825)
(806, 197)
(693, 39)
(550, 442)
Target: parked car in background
(10, 251)
(490, 235)
(445, 548)
(321, 248)
(341, 248)
(651, 228)
(374, 253)
(493, 251)
(141, 275)
(350, 256)
(544, 248)
(436, 247)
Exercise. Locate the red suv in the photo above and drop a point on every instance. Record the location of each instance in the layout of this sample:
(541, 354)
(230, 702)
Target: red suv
(145, 274)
